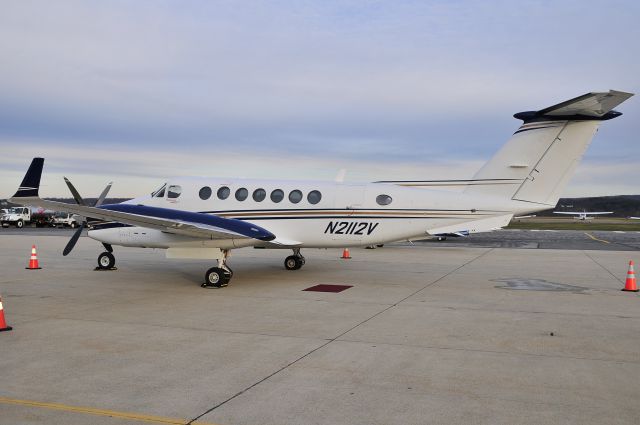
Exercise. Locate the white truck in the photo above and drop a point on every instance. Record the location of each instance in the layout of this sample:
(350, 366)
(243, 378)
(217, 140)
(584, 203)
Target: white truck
(25, 216)
(63, 219)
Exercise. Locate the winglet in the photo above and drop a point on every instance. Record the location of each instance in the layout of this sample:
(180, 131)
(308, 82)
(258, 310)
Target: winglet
(31, 182)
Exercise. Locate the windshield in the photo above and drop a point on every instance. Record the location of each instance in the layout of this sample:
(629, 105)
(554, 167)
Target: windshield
(61, 214)
(159, 193)
(15, 210)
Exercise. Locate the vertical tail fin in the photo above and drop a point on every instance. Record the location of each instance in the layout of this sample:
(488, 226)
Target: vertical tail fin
(537, 162)
(31, 181)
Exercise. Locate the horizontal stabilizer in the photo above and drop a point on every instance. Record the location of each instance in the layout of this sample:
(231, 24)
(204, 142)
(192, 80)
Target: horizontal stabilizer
(594, 106)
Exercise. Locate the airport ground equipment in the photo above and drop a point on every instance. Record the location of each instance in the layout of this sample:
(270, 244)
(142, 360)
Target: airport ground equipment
(33, 261)
(26, 216)
(3, 324)
(630, 283)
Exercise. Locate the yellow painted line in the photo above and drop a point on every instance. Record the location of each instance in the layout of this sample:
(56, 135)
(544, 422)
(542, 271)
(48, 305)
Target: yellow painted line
(99, 412)
(596, 239)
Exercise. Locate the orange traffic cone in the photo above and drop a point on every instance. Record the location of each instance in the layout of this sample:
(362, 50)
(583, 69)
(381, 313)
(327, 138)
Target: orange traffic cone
(630, 284)
(345, 254)
(33, 262)
(3, 324)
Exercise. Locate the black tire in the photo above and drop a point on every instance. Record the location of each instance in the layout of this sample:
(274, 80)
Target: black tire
(216, 277)
(106, 260)
(19, 224)
(293, 262)
(72, 225)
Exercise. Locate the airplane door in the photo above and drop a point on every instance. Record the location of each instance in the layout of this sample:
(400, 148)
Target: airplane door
(349, 198)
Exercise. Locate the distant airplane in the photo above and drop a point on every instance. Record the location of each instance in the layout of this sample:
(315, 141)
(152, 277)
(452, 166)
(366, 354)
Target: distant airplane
(206, 218)
(584, 215)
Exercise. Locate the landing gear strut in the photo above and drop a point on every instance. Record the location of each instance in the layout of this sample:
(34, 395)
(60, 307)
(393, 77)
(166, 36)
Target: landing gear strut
(218, 277)
(295, 261)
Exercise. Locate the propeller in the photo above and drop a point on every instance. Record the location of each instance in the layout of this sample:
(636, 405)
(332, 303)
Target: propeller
(76, 195)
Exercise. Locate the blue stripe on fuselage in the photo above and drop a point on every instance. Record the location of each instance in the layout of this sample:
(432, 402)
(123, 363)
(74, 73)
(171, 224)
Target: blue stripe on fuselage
(246, 229)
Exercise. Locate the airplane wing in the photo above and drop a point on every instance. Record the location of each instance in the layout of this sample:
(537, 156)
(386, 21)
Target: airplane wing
(186, 223)
(583, 213)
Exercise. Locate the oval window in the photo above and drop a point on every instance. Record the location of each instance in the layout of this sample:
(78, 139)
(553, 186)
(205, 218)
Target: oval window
(224, 192)
(383, 199)
(277, 195)
(174, 191)
(314, 197)
(241, 194)
(295, 196)
(205, 193)
(259, 195)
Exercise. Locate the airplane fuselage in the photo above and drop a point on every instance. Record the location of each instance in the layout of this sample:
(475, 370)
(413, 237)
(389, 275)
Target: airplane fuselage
(311, 214)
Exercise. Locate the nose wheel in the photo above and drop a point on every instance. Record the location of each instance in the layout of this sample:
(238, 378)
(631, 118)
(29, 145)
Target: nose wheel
(295, 261)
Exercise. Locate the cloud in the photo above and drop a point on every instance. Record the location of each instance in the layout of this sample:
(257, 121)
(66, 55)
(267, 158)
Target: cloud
(344, 83)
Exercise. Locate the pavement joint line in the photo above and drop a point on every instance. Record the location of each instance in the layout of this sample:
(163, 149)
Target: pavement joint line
(154, 325)
(603, 267)
(335, 338)
(99, 412)
(506, 353)
(500, 310)
(488, 250)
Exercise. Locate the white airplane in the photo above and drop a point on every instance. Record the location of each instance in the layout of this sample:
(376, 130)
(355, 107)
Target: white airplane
(584, 215)
(206, 218)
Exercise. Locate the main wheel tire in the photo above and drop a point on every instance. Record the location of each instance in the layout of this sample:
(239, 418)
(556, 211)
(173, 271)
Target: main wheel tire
(216, 277)
(293, 262)
(106, 260)
(73, 225)
(20, 224)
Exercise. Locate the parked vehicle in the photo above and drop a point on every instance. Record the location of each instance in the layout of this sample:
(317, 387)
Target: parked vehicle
(63, 219)
(26, 216)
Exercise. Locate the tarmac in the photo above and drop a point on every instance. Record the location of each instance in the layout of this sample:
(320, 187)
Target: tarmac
(435, 332)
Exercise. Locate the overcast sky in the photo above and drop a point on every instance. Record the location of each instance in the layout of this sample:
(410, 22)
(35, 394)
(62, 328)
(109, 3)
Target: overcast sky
(136, 91)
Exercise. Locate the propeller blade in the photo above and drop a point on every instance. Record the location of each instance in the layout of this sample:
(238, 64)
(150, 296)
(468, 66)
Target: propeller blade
(74, 192)
(73, 240)
(103, 195)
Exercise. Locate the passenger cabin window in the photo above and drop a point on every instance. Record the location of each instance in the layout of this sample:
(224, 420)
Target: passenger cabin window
(383, 199)
(277, 195)
(295, 196)
(314, 197)
(174, 191)
(241, 194)
(224, 192)
(259, 195)
(205, 193)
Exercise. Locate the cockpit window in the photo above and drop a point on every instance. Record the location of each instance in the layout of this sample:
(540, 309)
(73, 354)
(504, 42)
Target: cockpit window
(174, 191)
(160, 192)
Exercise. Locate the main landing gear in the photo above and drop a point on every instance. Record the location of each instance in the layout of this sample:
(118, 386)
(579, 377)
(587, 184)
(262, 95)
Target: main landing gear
(106, 260)
(295, 261)
(218, 277)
